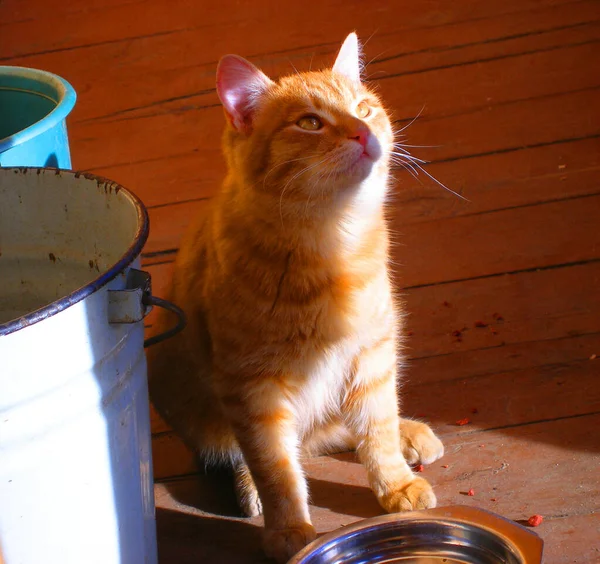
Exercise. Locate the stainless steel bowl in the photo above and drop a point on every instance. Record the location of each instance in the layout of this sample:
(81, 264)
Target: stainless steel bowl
(450, 535)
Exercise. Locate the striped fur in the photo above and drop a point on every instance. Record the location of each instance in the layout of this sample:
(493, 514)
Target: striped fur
(292, 343)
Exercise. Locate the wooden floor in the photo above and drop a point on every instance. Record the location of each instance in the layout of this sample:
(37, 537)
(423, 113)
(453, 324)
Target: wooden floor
(508, 98)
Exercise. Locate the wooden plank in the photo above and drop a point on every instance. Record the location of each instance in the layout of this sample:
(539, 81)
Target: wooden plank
(179, 178)
(544, 393)
(185, 538)
(460, 365)
(439, 88)
(571, 539)
(502, 127)
(169, 223)
(340, 494)
(113, 22)
(536, 305)
(16, 11)
(500, 180)
(502, 36)
(170, 457)
(496, 242)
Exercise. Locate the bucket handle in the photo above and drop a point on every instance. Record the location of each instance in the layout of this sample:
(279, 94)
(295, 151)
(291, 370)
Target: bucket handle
(135, 302)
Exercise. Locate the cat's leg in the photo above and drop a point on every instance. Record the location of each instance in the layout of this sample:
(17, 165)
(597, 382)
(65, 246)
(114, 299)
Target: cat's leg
(265, 428)
(245, 490)
(418, 442)
(328, 438)
(371, 411)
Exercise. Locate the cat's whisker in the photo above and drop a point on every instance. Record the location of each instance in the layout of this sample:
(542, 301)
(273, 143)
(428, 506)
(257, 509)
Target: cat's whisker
(407, 155)
(370, 76)
(294, 67)
(403, 157)
(376, 57)
(413, 120)
(300, 76)
(369, 38)
(410, 169)
(408, 166)
(401, 153)
(417, 146)
(440, 184)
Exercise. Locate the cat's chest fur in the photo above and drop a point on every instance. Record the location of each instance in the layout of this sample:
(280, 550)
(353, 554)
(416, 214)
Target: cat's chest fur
(327, 318)
(350, 321)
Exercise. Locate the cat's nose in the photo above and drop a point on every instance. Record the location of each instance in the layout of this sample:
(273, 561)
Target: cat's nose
(361, 134)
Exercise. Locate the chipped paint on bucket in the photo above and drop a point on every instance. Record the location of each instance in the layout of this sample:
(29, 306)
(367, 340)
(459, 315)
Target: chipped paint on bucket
(75, 447)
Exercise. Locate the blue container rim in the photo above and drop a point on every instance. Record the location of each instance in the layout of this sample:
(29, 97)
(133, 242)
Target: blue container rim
(64, 104)
(133, 251)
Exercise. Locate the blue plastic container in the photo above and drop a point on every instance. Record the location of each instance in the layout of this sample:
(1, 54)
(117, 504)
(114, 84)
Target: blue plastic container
(34, 105)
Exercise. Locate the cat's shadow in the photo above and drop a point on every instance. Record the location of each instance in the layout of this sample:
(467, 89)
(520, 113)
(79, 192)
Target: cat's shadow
(212, 492)
(347, 499)
(205, 524)
(188, 538)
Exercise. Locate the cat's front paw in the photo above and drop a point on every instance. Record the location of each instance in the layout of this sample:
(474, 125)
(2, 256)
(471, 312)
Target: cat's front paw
(419, 443)
(282, 544)
(416, 494)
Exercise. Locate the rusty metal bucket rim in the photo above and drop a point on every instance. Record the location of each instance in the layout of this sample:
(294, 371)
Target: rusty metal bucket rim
(65, 103)
(134, 250)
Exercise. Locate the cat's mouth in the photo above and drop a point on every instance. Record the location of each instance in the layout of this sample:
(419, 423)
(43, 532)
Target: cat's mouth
(359, 165)
(366, 154)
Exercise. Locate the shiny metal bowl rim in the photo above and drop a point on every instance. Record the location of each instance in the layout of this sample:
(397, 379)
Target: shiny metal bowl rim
(527, 545)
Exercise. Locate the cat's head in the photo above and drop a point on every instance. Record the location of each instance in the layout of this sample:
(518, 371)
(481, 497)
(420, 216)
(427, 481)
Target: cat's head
(313, 134)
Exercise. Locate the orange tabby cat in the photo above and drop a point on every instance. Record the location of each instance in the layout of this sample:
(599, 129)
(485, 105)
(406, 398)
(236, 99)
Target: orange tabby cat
(292, 343)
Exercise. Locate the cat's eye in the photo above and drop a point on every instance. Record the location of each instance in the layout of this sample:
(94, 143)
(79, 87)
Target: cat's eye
(363, 110)
(310, 123)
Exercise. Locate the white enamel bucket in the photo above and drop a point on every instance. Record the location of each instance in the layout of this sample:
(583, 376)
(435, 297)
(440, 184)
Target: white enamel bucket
(76, 481)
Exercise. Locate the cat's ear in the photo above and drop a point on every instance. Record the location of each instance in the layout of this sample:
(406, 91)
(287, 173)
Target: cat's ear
(348, 61)
(239, 85)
